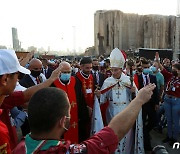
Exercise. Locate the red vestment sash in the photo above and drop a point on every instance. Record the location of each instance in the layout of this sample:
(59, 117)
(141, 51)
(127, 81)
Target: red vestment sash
(69, 88)
(87, 88)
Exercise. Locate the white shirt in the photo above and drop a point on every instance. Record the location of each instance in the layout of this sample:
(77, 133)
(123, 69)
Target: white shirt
(34, 79)
(45, 70)
(19, 87)
(97, 75)
(144, 79)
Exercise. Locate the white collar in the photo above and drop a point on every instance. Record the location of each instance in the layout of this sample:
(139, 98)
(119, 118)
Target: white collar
(143, 75)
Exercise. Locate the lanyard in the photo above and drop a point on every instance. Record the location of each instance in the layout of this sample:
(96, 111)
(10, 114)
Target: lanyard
(171, 84)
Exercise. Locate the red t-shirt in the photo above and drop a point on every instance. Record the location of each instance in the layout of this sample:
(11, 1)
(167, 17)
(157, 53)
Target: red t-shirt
(4, 138)
(173, 84)
(15, 99)
(104, 142)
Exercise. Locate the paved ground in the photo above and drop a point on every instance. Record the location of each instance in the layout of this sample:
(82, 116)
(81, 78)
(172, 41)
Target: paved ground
(157, 140)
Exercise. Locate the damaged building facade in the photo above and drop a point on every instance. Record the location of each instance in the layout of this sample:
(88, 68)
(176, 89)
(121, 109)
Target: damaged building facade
(132, 31)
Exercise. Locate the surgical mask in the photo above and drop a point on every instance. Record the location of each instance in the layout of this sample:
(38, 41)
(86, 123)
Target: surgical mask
(133, 72)
(146, 70)
(35, 73)
(65, 76)
(154, 69)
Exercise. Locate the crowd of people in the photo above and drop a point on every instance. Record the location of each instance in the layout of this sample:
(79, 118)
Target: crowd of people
(51, 104)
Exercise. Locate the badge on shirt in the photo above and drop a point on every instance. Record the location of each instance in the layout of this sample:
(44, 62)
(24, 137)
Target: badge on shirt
(173, 89)
(88, 91)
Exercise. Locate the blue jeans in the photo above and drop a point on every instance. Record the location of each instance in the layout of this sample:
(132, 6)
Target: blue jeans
(172, 112)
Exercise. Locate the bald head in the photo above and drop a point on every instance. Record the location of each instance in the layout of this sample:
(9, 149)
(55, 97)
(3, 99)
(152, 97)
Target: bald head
(65, 67)
(35, 64)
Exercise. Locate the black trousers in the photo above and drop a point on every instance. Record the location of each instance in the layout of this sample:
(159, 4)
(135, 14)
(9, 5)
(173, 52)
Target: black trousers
(149, 121)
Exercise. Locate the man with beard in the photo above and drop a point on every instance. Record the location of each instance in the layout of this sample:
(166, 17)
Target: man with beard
(49, 117)
(97, 75)
(85, 96)
(67, 83)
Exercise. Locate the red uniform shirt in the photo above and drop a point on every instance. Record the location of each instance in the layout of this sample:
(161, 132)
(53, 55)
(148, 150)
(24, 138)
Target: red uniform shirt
(15, 99)
(4, 138)
(173, 84)
(88, 88)
(103, 142)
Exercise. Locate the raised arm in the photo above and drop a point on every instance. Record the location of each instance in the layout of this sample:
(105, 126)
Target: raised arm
(157, 59)
(25, 60)
(122, 122)
(30, 91)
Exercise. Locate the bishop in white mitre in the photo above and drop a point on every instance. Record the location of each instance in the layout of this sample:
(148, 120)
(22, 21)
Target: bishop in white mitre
(119, 97)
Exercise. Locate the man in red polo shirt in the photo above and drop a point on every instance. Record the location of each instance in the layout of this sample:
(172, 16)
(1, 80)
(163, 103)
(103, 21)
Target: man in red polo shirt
(9, 71)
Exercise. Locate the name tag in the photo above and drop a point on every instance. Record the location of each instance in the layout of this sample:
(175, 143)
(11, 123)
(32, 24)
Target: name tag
(88, 91)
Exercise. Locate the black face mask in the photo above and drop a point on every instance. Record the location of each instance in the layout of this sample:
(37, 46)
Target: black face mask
(96, 68)
(174, 73)
(35, 73)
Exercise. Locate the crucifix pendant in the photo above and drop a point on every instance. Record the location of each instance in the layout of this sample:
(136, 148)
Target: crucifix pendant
(118, 93)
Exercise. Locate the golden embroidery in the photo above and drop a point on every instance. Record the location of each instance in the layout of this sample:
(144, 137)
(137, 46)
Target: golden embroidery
(74, 124)
(3, 148)
(73, 104)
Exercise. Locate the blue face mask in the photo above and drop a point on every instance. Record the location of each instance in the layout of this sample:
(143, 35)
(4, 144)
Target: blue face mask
(146, 70)
(154, 69)
(65, 76)
(133, 72)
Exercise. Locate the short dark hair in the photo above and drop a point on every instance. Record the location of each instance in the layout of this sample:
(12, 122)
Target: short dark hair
(144, 61)
(45, 108)
(86, 60)
(177, 66)
(107, 60)
(94, 59)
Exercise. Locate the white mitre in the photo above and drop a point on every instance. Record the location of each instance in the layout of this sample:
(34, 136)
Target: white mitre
(117, 58)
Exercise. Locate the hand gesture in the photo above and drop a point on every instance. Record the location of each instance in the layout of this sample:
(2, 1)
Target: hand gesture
(157, 58)
(55, 74)
(133, 89)
(145, 93)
